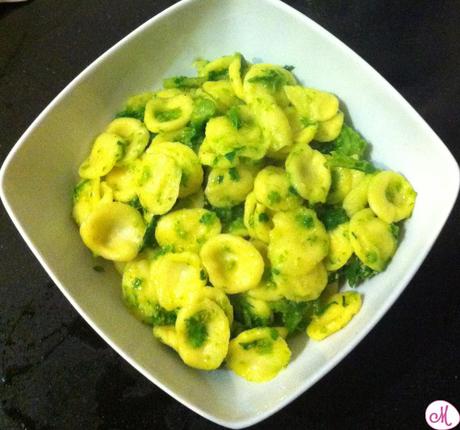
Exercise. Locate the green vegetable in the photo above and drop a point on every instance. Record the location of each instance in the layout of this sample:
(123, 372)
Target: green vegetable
(347, 151)
(332, 216)
(149, 240)
(208, 218)
(234, 175)
(131, 113)
(228, 215)
(161, 316)
(230, 156)
(355, 272)
(395, 230)
(288, 67)
(295, 316)
(271, 79)
(245, 314)
(340, 160)
(263, 346)
(168, 115)
(136, 204)
(218, 75)
(78, 189)
(183, 82)
(196, 330)
(203, 110)
(274, 197)
(234, 117)
(263, 217)
(305, 221)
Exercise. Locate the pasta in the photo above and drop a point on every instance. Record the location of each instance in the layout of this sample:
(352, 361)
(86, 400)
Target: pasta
(238, 207)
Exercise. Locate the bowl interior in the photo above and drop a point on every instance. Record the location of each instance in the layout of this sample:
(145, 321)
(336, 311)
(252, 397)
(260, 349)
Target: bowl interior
(39, 175)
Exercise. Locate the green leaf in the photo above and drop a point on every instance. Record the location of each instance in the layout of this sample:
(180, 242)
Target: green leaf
(208, 218)
(149, 240)
(349, 142)
(332, 216)
(218, 75)
(340, 160)
(234, 117)
(162, 317)
(262, 346)
(355, 272)
(245, 314)
(271, 79)
(395, 231)
(295, 316)
(196, 330)
(234, 175)
(168, 115)
(203, 109)
(131, 113)
(136, 204)
(183, 82)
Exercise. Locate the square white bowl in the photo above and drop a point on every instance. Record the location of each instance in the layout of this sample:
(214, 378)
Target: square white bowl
(38, 176)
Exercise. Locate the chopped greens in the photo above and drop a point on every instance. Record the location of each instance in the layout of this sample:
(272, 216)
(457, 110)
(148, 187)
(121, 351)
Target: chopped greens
(271, 79)
(196, 329)
(332, 216)
(183, 82)
(355, 272)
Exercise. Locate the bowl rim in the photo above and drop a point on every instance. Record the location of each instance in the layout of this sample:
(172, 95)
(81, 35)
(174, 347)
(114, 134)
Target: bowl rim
(332, 362)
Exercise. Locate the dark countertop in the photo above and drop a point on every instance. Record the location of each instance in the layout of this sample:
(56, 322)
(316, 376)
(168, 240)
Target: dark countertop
(56, 373)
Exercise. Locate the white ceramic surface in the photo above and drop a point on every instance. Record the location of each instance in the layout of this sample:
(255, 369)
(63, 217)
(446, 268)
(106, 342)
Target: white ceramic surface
(38, 176)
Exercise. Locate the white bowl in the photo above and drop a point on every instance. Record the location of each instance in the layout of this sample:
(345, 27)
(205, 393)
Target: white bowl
(38, 176)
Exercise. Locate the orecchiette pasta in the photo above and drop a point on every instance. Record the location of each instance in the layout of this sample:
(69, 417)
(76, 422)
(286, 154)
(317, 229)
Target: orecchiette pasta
(235, 204)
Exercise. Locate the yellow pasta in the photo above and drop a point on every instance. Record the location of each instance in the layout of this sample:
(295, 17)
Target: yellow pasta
(372, 239)
(273, 189)
(258, 355)
(108, 148)
(341, 308)
(308, 172)
(159, 183)
(391, 196)
(134, 134)
(168, 114)
(113, 231)
(232, 263)
(236, 204)
(187, 229)
(207, 349)
(176, 277)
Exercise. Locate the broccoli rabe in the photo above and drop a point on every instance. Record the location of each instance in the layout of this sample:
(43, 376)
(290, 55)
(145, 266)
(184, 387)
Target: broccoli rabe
(168, 115)
(149, 240)
(347, 151)
(341, 160)
(355, 272)
(197, 332)
(295, 316)
(161, 316)
(234, 117)
(183, 82)
(136, 204)
(247, 316)
(228, 216)
(331, 216)
(203, 110)
(218, 75)
(131, 113)
(271, 79)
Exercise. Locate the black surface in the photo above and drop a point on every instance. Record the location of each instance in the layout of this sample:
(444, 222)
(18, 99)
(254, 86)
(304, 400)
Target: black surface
(56, 373)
